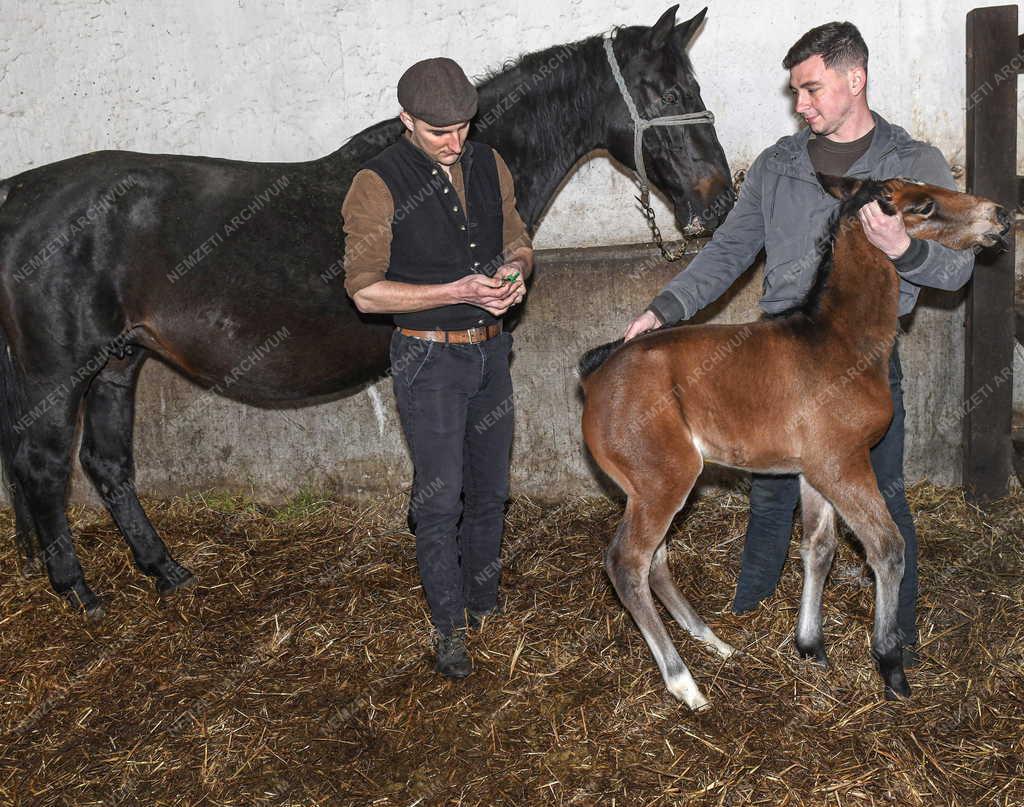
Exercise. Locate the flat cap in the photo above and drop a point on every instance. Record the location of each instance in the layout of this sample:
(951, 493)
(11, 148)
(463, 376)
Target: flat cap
(437, 91)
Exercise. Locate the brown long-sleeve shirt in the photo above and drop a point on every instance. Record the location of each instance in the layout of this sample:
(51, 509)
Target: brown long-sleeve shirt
(368, 209)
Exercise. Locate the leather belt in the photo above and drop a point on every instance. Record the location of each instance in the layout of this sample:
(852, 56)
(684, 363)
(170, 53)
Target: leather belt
(470, 336)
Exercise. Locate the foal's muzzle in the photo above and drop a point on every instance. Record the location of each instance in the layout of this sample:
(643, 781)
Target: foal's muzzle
(1003, 218)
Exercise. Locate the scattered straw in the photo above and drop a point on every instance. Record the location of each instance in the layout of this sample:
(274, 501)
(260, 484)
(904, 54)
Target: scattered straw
(298, 671)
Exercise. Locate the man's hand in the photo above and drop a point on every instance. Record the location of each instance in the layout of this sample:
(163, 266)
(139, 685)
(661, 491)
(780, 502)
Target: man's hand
(645, 322)
(514, 268)
(489, 293)
(888, 233)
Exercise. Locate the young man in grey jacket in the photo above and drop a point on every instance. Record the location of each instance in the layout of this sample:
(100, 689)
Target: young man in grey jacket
(782, 208)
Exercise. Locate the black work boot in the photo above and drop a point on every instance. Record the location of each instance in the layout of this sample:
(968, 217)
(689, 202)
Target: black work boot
(452, 658)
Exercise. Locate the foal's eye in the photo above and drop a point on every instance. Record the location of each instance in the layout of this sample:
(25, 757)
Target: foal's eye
(924, 209)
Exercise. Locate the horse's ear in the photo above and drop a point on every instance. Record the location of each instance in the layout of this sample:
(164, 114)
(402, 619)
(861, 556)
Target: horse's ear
(840, 187)
(662, 29)
(685, 30)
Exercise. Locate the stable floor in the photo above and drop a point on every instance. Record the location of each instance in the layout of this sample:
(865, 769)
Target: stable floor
(298, 670)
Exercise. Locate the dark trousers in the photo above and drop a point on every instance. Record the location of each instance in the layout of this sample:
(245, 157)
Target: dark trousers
(455, 405)
(773, 500)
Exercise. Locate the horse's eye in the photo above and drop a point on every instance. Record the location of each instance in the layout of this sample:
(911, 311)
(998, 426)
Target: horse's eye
(924, 209)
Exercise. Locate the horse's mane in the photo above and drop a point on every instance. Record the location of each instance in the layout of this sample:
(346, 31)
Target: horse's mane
(560, 70)
(532, 60)
(870, 190)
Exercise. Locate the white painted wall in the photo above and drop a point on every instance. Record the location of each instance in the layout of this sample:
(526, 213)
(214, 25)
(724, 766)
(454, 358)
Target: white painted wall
(293, 80)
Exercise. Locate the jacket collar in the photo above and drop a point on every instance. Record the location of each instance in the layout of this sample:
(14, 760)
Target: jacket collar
(791, 158)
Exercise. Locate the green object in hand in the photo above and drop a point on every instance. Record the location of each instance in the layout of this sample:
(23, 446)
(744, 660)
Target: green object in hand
(512, 278)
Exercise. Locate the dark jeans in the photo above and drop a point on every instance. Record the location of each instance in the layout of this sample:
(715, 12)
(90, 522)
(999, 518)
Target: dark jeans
(773, 500)
(455, 404)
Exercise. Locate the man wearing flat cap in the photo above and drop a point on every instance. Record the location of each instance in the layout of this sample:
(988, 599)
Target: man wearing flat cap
(433, 238)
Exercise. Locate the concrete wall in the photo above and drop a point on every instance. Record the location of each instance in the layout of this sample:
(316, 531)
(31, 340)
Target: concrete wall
(291, 81)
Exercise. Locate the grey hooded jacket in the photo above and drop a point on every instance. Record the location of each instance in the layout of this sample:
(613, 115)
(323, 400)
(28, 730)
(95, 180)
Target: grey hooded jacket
(783, 208)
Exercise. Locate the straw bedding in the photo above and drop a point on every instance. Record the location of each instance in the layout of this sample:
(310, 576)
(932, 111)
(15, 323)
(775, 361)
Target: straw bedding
(298, 670)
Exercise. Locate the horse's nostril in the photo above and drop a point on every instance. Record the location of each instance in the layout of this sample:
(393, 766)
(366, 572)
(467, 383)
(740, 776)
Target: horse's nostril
(1003, 218)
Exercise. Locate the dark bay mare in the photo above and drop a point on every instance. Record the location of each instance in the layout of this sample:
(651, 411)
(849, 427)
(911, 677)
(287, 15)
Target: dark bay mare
(231, 272)
(804, 392)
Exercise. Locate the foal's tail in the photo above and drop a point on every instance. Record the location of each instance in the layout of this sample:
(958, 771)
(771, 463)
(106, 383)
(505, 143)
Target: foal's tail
(596, 356)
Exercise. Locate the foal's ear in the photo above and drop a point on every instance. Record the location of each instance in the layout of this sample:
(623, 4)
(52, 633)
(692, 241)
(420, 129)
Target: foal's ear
(840, 187)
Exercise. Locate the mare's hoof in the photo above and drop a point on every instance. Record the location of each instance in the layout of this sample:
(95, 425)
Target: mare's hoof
(32, 568)
(902, 692)
(816, 652)
(96, 612)
(174, 578)
(81, 598)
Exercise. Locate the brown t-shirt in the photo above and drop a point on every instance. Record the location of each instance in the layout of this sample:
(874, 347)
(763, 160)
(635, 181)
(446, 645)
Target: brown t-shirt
(835, 159)
(368, 209)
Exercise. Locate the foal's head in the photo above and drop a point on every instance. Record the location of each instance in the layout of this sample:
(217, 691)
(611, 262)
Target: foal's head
(956, 220)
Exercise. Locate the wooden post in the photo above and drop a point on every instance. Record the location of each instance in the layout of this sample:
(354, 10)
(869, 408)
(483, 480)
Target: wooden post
(993, 62)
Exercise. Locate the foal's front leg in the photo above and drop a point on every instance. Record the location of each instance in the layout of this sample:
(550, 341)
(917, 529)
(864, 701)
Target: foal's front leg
(680, 608)
(817, 549)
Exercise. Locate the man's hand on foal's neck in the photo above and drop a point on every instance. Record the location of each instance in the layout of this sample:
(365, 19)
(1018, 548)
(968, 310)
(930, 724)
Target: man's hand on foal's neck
(888, 233)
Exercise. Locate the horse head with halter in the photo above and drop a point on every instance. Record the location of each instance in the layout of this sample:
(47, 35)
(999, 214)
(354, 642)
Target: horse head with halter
(656, 83)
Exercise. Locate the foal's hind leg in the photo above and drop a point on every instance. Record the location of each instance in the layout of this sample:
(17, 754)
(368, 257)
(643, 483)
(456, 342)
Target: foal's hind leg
(679, 607)
(854, 493)
(106, 455)
(818, 549)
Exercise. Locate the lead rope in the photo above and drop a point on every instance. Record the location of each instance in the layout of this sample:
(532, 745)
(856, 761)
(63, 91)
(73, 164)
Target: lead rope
(640, 125)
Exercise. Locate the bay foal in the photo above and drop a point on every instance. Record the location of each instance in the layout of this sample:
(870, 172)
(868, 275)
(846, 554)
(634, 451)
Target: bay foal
(803, 392)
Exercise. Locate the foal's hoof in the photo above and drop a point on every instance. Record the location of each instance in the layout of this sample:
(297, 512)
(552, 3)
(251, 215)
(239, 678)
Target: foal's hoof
(174, 578)
(896, 686)
(890, 666)
(813, 651)
(685, 689)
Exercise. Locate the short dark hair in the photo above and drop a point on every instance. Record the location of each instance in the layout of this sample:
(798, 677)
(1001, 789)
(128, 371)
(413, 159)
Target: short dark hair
(839, 44)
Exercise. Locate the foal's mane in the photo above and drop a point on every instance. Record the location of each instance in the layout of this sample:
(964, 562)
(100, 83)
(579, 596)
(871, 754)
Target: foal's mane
(870, 190)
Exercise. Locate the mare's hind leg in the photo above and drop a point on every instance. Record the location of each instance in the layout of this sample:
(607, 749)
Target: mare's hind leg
(661, 488)
(24, 530)
(41, 466)
(679, 607)
(818, 549)
(853, 490)
(106, 455)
